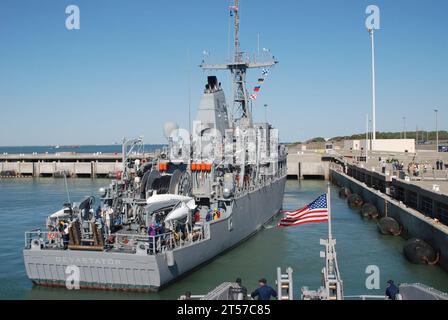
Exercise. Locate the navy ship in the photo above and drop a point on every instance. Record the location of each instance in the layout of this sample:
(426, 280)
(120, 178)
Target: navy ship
(205, 193)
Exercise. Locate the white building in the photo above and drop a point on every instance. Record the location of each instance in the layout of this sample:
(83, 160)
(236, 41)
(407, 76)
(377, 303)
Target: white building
(354, 145)
(386, 145)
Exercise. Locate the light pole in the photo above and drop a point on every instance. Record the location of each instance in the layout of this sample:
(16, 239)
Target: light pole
(372, 38)
(416, 134)
(367, 136)
(437, 132)
(404, 127)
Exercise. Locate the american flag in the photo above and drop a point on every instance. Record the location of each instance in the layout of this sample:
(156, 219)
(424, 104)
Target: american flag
(253, 97)
(316, 211)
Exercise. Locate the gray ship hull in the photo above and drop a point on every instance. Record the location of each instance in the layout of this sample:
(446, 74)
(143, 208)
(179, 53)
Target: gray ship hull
(137, 272)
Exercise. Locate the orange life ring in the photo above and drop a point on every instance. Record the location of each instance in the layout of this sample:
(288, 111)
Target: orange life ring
(51, 235)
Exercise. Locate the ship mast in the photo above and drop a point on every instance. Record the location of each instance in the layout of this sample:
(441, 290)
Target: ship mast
(237, 31)
(238, 69)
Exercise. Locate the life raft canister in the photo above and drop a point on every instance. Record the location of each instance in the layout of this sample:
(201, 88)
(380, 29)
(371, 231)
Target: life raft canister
(51, 235)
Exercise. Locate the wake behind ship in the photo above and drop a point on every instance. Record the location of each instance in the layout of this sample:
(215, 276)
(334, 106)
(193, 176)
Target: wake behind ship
(206, 193)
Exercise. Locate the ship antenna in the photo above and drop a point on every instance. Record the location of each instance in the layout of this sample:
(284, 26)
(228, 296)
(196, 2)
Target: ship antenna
(66, 187)
(238, 70)
(237, 31)
(189, 91)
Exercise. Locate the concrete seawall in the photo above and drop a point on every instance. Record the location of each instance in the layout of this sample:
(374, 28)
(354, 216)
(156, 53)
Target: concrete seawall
(303, 165)
(415, 224)
(72, 164)
(74, 169)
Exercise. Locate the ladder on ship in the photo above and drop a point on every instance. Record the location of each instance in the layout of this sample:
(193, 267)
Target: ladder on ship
(285, 284)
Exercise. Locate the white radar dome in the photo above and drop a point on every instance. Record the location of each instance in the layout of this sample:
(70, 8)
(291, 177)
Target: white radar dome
(168, 128)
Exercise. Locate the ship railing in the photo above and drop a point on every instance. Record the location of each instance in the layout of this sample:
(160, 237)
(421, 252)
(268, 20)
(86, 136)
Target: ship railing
(337, 167)
(252, 186)
(192, 297)
(46, 239)
(162, 242)
(366, 297)
(203, 296)
(154, 244)
(359, 297)
(424, 289)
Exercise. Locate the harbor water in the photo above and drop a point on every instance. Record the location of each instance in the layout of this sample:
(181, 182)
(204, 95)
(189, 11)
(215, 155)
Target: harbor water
(25, 203)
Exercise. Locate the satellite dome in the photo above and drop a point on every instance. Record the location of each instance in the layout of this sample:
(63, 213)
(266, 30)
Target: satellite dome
(168, 128)
(102, 192)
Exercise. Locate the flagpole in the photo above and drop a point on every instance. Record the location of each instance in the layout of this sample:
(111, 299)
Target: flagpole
(330, 236)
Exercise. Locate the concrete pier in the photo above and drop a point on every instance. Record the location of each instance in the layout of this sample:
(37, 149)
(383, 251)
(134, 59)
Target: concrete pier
(427, 195)
(423, 216)
(72, 164)
(301, 165)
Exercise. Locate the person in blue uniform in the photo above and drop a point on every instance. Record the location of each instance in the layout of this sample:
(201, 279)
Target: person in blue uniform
(392, 290)
(264, 292)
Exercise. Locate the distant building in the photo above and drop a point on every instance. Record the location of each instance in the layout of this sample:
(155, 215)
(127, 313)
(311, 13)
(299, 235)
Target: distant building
(387, 145)
(354, 145)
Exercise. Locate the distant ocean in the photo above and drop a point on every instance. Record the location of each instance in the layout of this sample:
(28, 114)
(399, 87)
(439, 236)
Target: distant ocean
(78, 149)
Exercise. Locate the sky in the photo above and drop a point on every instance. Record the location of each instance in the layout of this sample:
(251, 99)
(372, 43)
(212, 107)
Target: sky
(132, 64)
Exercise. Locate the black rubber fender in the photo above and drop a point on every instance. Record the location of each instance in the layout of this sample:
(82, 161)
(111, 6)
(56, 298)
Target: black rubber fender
(389, 226)
(368, 210)
(355, 200)
(418, 251)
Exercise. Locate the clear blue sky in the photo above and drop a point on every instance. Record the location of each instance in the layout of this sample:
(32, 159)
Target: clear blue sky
(126, 71)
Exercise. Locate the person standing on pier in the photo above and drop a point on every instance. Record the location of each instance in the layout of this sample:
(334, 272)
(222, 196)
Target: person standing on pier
(383, 166)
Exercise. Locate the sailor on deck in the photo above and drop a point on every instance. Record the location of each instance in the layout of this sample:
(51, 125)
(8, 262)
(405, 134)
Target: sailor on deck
(239, 290)
(392, 290)
(264, 292)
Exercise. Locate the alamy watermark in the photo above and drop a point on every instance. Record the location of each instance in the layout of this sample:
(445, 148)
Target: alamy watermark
(238, 146)
(73, 20)
(373, 279)
(72, 280)
(373, 18)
